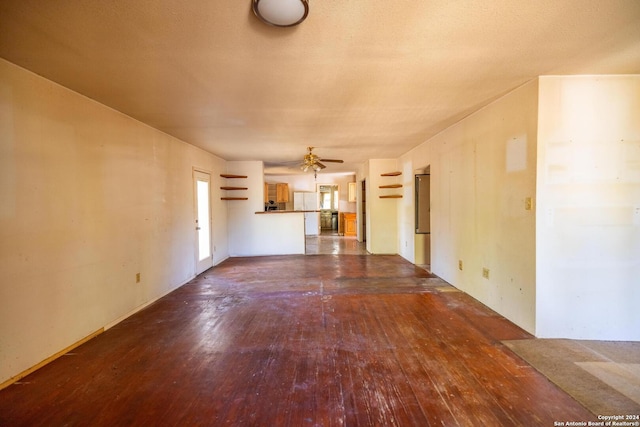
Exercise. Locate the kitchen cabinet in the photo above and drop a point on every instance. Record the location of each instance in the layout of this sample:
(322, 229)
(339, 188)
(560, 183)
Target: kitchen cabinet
(276, 195)
(352, 192)
(350, 224)
(282, 193)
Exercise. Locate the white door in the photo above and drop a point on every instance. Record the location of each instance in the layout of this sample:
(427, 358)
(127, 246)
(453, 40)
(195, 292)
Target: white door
(202, 191)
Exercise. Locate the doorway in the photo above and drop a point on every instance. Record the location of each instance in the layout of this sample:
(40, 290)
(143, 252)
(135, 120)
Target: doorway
(363, 211)
(329, 207)
(422, 251)
(202, 194)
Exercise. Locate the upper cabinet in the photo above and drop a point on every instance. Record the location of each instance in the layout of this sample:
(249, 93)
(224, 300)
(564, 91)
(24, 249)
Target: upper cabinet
(352, 192)
(277, 193)
(282, 193)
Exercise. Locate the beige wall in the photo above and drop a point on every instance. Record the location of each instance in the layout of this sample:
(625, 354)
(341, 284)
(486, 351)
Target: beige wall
(588, 224)
(568, 268)
(89, 197)
(482, 170)
(382, 214)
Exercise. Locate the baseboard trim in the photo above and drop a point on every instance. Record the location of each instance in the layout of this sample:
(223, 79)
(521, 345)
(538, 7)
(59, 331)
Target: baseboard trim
(88, 337)
(221, 260)
(50, 359)
(145, 305)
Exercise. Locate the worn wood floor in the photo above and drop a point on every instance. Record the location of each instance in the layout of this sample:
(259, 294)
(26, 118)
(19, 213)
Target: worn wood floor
(321, 340)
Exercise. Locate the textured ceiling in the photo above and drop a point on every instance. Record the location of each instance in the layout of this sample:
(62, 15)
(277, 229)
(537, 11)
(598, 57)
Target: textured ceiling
(359, 79)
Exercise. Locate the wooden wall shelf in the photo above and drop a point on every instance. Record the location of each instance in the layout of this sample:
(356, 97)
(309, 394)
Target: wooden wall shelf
(226, 175)
(230, 175)
(391, 196)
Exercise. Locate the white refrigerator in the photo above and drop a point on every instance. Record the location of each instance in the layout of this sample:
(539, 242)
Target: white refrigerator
(308, 201)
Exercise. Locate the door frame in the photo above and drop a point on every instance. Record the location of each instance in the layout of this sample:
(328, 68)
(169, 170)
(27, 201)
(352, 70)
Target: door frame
(201, 265)
(422, 240)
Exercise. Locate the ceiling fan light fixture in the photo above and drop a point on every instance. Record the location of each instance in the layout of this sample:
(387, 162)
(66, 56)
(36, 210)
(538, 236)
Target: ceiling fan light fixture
(312, 161)
(281, 13)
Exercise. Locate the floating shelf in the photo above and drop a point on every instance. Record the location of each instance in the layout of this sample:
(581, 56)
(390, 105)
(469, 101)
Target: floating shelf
(391, 196)
(225, 175)
(228, 175)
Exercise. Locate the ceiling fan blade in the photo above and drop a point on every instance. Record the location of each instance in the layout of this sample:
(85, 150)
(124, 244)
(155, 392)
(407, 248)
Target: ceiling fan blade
(321, 165)
(284, 163)
(332, 160)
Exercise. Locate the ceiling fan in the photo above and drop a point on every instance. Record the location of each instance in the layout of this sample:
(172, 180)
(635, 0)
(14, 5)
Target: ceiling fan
(313, 161)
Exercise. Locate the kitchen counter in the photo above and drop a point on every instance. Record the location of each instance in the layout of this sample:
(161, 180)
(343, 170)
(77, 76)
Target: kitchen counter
(278, 234)
(281, 212)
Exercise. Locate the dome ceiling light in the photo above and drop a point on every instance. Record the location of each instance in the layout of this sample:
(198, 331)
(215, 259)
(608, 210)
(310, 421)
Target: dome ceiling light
(281, 13)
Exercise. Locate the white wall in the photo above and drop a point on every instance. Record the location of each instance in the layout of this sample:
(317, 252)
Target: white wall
(89, 197)
(252, 234)
(588, 225)
(482, 170)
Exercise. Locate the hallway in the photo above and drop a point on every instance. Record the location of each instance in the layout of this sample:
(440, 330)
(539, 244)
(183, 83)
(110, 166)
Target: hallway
(319, 340)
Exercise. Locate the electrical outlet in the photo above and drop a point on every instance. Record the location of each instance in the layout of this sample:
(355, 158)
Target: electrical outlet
(459, 264)
(137, 277)
(485, 273)
(528, 203)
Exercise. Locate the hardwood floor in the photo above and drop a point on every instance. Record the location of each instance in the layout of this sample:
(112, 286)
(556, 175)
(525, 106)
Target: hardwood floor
(321, 340)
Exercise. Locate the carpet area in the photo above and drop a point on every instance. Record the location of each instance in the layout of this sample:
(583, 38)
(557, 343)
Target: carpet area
(604, 376)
